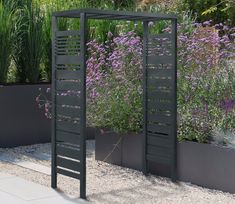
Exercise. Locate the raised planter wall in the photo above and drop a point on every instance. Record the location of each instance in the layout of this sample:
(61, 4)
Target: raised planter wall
(205, 165)
(125, 149)
(21, 121)
(128, 152)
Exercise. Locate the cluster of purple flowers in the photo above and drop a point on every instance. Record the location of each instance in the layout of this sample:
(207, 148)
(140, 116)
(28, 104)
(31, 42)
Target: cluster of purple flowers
(205, 76)
(112, 60)
(114, 81)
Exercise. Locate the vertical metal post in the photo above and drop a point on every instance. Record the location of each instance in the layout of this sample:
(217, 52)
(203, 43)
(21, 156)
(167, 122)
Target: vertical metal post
(83, 22)
(53, 92)
(174, 139)
(145, 96)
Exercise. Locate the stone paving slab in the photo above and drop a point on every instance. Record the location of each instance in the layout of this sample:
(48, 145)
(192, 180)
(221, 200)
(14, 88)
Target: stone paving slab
(26, 164)
(59, 200)
(24, 189)
(14, 190)
(4, 176)
(10, 199)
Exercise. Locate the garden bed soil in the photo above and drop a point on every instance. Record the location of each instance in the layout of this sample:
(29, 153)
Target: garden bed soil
(205, 165)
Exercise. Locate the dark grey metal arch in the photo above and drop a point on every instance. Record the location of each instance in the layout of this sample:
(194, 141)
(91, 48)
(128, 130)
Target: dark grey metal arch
(69, 93)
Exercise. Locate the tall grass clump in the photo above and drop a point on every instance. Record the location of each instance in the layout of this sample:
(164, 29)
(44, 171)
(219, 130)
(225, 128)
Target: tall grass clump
(29, 49)
(47, 33)
(7, 34)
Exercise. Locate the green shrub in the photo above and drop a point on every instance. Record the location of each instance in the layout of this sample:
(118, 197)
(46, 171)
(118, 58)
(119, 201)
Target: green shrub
(220, 15)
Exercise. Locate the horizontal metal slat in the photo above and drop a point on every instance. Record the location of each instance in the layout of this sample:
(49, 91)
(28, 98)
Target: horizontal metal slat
(68, 37)
(68, 74)
(158, 159)
(159, 150)
(73, 138)
(69, 112)
(68, 67)
(66, 52)
(158, 128)
(68, 173)
(65, 45)
(68, 164)
(68, 100)
(159, 141)
(154, 49)
(160, 36)
(68, 33)
(160, 59)
(63, 85)
(68, 42)
(68, 59)
(160, 95)
(159, 82)
(64, 151)
(68, 126)
(73, 50)
(158, 135)
(161, 118)
(161, 72)
(160, 105)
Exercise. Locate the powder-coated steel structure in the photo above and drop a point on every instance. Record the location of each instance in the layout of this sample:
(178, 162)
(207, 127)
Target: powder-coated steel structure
(69, 92)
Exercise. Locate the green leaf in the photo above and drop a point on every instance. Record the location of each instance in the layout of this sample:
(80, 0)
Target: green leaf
(210, 10)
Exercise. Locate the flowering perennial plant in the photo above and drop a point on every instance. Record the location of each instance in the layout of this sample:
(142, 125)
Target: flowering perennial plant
(206, 81)
(114, 83)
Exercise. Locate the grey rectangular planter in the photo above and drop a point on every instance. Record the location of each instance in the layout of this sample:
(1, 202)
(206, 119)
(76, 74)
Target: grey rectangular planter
(128, 152)
(104, 145)
(205, 165)
(21, 121)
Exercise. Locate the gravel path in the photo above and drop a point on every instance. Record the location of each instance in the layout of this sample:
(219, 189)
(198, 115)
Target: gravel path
(113, 184)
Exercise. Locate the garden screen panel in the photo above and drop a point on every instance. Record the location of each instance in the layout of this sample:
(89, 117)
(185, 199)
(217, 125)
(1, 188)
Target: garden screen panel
(68, 88)
(160, 99)
(69, 93)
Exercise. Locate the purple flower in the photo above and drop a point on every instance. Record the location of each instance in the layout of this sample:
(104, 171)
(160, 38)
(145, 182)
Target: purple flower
(207, 23)
(227, 105)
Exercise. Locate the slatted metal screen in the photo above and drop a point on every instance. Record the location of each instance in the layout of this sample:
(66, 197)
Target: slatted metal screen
(160, 96)
(69, 100)
(69, 94)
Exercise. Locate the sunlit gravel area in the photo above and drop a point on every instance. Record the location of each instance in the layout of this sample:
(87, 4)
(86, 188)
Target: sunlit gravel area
(112, 184)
